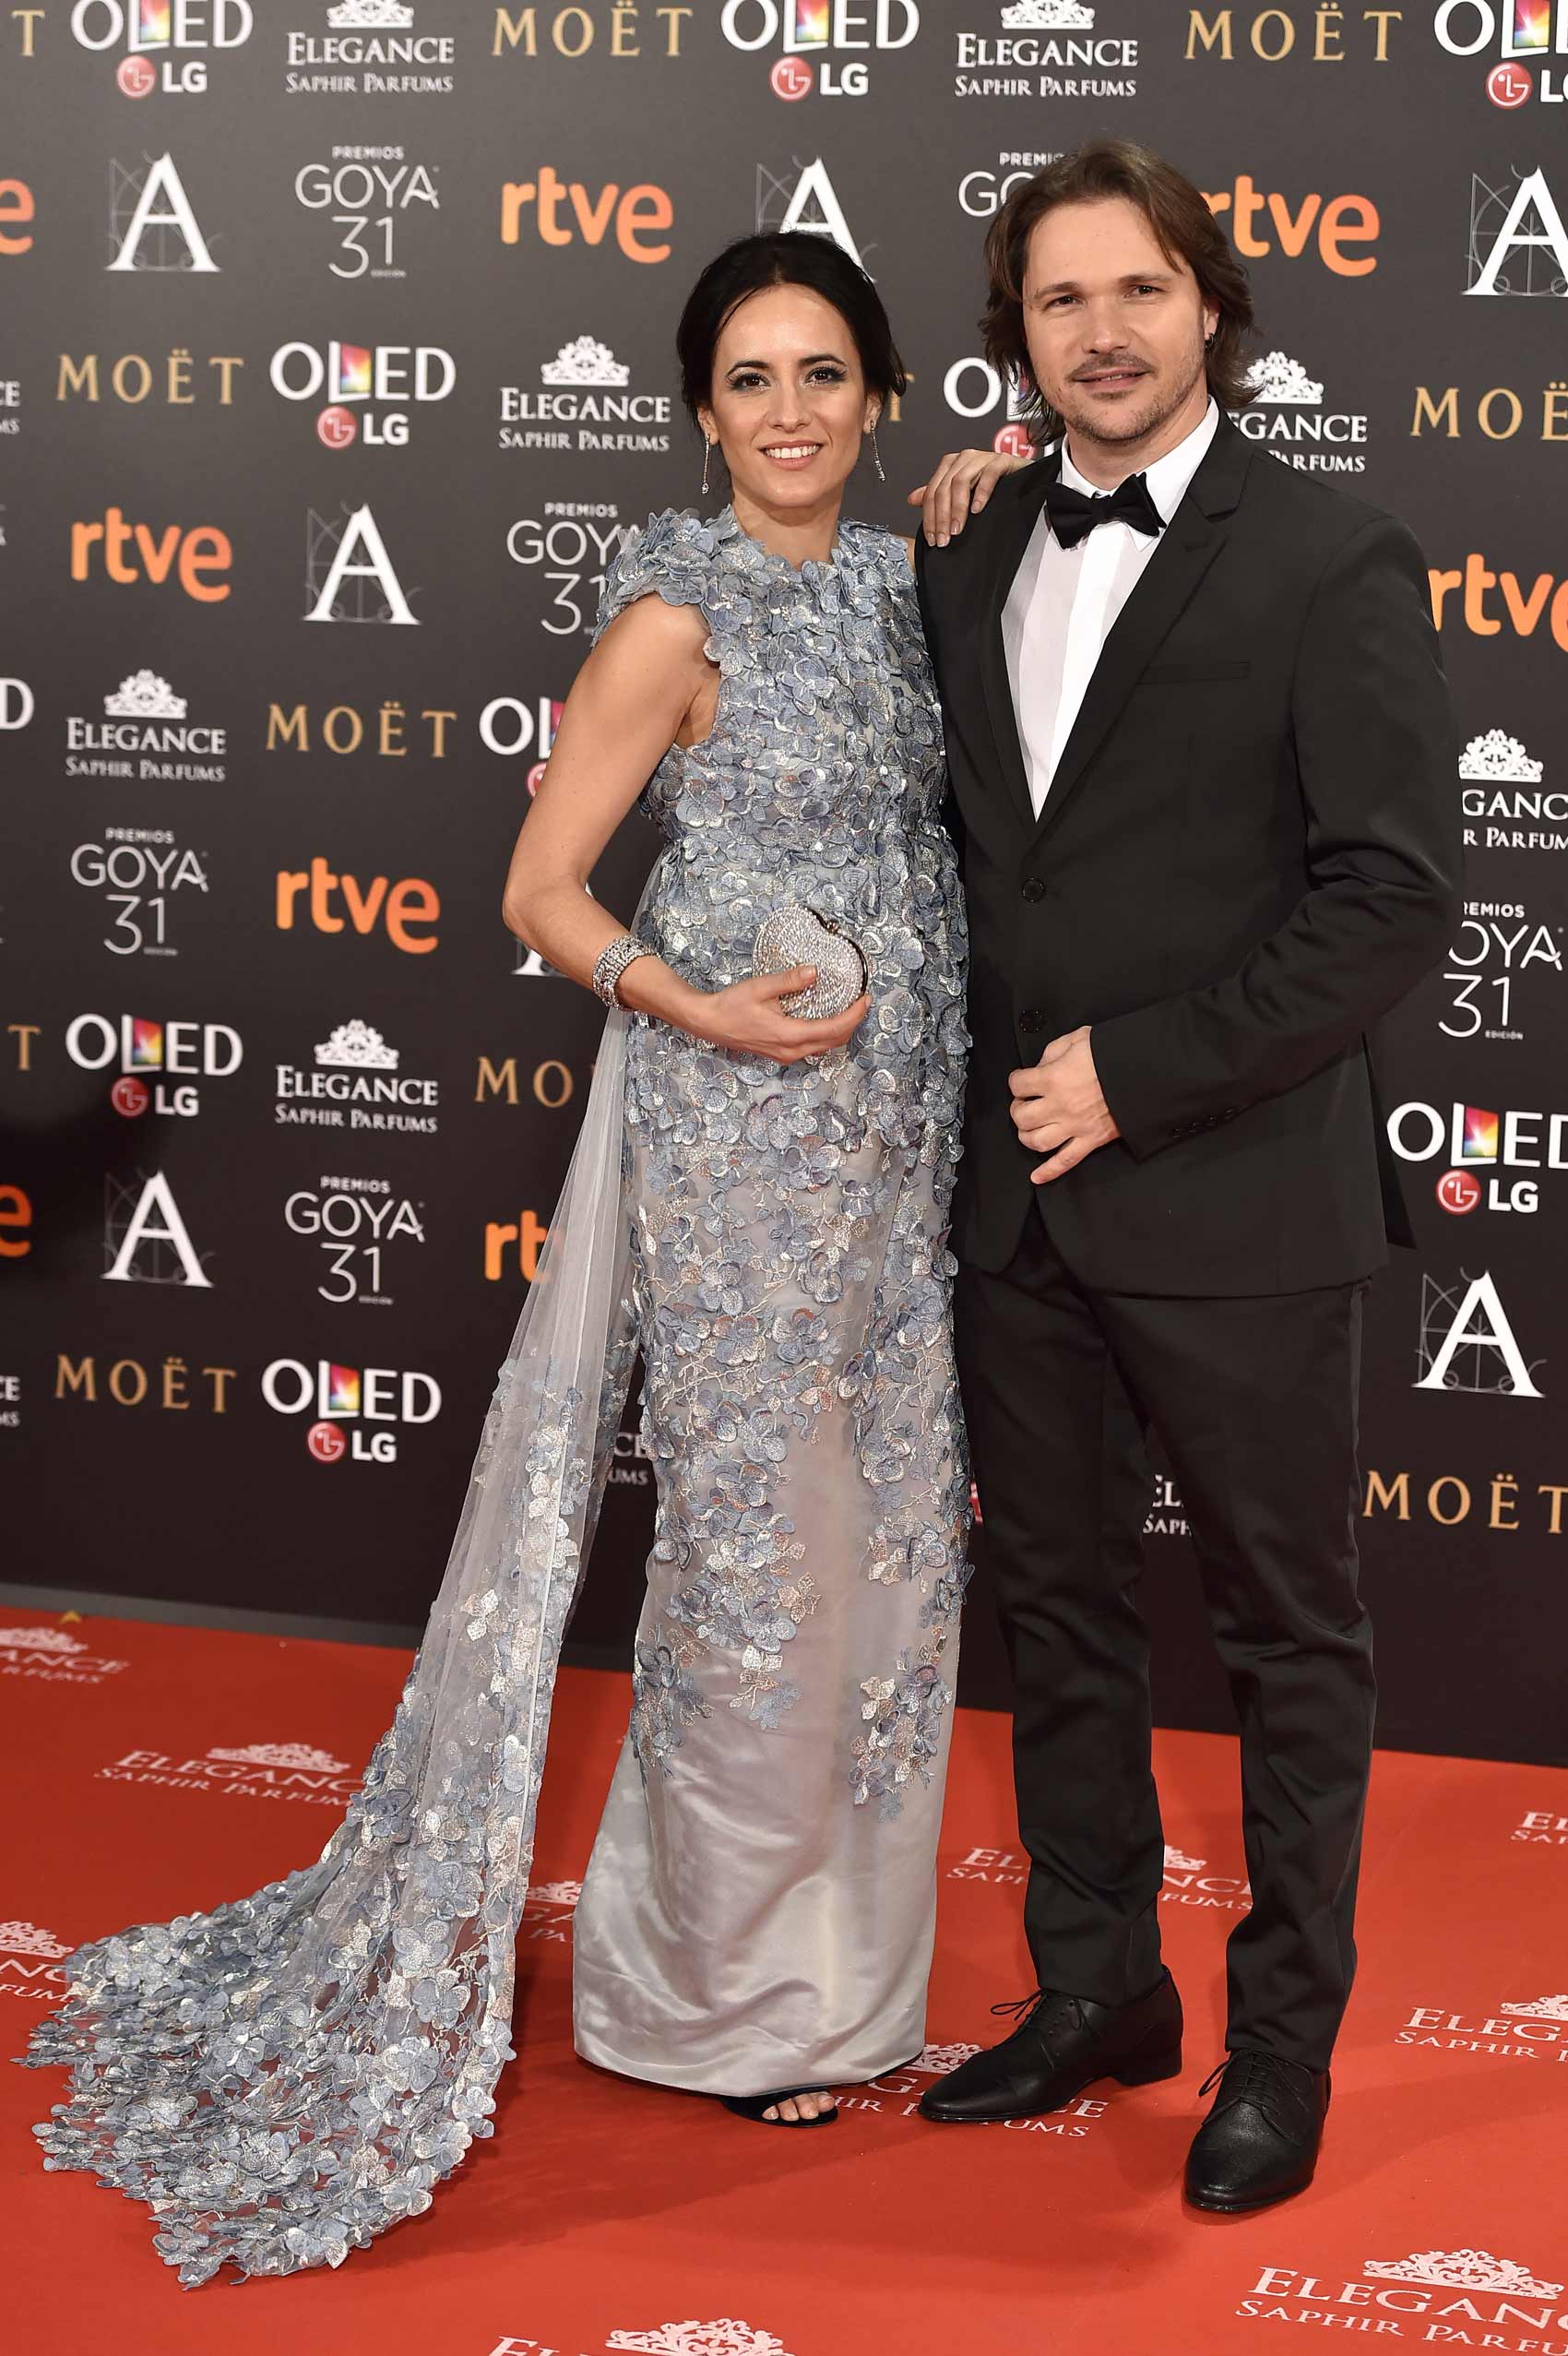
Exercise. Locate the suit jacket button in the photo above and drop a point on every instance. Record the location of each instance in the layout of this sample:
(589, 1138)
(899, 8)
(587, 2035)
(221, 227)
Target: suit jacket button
(1032, 1019)
(1033, 888)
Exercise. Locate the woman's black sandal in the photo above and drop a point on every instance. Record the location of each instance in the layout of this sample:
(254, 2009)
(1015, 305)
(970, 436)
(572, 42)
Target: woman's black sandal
(757, 2106)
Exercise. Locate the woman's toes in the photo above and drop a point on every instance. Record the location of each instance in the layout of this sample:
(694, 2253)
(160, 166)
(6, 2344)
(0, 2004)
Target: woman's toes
(772, 2112)
(788, 2111)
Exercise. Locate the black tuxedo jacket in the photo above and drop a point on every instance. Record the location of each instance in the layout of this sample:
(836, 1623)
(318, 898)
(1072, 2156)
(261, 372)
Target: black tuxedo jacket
(1249, 851)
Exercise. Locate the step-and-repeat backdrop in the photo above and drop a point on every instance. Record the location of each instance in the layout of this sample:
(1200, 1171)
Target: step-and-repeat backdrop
(334, 366)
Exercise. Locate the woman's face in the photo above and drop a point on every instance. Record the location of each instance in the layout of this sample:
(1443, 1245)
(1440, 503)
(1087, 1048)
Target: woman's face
(789, 403)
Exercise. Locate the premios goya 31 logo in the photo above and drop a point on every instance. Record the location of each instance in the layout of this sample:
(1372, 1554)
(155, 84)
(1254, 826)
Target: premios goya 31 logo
(354, 1223)
(368, 193)
(140, 872)
(359, 1412)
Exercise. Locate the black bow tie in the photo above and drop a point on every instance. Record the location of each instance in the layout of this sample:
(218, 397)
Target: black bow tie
(1074, 515)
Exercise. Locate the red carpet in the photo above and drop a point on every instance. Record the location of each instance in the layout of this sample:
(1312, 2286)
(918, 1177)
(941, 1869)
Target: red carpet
(607, 2216)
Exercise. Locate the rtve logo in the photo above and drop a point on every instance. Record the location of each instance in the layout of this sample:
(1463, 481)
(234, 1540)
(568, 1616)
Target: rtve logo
(16, 210)
(638, 214)
(15, 1218)
(399, 906)
(1298, 223)
(1523, 608)
(137, 552)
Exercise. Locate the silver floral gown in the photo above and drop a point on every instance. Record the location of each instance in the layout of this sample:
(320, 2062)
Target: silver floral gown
(758, 1909)
(286, 2077)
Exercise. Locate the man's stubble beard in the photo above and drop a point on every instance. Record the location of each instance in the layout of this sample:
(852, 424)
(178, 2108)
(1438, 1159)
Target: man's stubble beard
(1110, 434)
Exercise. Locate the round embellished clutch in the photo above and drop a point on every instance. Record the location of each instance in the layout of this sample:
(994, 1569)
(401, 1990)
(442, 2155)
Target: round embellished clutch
(796, 935)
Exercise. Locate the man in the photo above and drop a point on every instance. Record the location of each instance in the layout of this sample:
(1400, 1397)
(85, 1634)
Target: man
(1202, 765)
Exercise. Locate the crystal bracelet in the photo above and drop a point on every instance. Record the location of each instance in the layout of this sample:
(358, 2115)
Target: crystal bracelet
(613, 959)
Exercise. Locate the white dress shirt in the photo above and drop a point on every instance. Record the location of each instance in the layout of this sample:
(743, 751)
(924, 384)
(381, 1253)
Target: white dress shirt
(1064, 602)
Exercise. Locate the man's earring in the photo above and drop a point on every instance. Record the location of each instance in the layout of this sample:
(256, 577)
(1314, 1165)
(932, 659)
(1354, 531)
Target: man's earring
(1208, 339)
(707, 454)
(876, 457)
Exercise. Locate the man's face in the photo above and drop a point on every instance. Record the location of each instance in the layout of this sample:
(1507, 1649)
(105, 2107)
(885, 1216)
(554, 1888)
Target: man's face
(1114, 326)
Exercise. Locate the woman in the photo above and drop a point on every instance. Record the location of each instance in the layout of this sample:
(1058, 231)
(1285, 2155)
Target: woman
(758, 1198)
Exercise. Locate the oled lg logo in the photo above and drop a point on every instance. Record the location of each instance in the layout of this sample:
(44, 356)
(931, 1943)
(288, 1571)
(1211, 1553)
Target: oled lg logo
(347, 1401)
(368, 388)
(156, 32)
(808, 30)
(1480, 1143)
(1522, 34)
(160, 1062)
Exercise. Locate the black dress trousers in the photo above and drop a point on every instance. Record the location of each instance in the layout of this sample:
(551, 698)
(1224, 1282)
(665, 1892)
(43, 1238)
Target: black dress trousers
(1254, 1401)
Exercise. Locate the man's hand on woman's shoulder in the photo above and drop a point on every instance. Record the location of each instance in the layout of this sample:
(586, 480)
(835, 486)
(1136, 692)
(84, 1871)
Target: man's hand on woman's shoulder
(962, 482)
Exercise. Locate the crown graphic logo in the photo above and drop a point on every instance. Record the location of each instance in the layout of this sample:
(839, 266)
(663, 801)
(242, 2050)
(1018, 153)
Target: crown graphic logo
(940, 2059)
(585, 361)
(144, 696)
(370, 15)
(1276, 378)
(1543, 2008)
(556, 1893)
(726, 2337)
(26, 1938)
(1046, 16)
(1176, 1862)
(283, 1754)
(357, 1046)
(53, 1640)
(1462, 2271)
(1498, 755)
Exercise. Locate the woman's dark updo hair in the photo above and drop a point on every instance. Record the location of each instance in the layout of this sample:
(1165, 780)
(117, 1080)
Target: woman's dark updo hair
(784, 257)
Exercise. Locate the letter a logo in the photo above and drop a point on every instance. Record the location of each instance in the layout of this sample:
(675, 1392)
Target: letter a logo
(154, 1222)
(162, 181)
(359, 533)
(1477, 1325)
(813, 186)
(1519, 233)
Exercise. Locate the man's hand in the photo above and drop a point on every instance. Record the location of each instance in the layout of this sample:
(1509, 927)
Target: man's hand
(1058, 1109)
(961, 484)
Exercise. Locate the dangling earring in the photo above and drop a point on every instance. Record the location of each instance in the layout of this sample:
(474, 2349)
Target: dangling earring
(707, 454)
(876, 457)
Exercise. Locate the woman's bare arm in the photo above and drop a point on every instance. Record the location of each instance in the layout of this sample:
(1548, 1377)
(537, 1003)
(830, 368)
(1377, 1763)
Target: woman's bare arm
(646, 685)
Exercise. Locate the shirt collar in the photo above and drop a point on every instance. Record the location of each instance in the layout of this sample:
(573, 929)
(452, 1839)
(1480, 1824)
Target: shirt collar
(1169, 477)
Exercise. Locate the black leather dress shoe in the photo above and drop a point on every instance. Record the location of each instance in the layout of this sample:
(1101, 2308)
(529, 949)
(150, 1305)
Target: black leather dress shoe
(1062, 2044)
(1260, 2141)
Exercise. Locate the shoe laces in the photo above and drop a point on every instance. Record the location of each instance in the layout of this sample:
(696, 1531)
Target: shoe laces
(1259, 2078)
(1050, 2011)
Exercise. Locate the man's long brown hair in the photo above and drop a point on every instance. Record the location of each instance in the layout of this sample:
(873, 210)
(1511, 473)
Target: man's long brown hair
(1183, 225)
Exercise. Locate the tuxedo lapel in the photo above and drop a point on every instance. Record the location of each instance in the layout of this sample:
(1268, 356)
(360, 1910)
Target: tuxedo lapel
(1009, 537)
(1187, 548)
